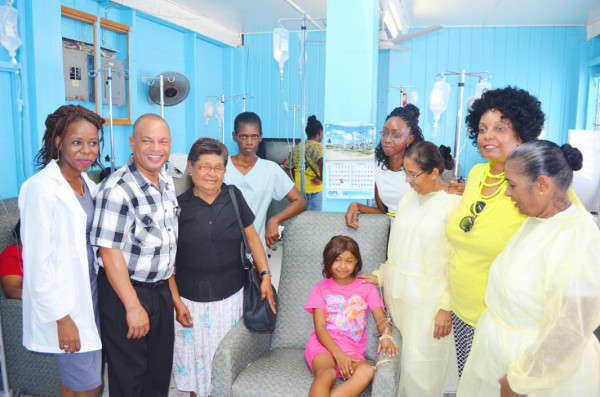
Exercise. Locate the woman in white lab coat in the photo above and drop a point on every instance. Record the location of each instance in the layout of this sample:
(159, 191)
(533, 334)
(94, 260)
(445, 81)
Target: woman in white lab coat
(60, 313)
(543, 295)
(415, 275)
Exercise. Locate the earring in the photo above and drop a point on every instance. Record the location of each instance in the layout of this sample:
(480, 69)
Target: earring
(58, 155)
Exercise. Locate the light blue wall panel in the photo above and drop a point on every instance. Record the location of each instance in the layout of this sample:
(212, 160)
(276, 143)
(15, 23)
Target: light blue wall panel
(8, 158)
(257, 72)
(209, 74)
(543, 60)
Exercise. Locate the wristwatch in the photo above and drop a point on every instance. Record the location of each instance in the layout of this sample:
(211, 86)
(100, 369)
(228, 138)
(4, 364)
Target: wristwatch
(265, 273)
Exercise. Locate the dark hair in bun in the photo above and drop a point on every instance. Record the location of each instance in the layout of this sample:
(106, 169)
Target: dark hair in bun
(573, 156)
(313, 127)
(429, 157)
(410, 114)
(547, 158)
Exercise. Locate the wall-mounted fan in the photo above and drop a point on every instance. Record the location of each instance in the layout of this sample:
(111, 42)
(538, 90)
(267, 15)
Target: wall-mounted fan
(176, 88)
(167, 89)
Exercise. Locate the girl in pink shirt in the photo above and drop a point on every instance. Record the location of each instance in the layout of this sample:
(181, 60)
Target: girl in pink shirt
(339, 306)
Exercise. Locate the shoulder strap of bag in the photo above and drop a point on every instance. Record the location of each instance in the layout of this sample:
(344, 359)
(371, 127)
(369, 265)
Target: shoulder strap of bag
(313, 170)
(239, 218)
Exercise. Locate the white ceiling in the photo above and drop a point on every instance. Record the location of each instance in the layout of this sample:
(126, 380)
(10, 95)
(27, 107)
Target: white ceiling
(224, 20)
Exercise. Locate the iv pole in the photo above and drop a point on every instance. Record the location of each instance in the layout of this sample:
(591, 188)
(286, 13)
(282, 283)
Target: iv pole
(461, 88)
(161, 78)
(108, 72)
(302, 72)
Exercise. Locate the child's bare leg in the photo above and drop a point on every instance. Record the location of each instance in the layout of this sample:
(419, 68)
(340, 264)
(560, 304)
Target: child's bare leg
(362, 375)
(323, 366)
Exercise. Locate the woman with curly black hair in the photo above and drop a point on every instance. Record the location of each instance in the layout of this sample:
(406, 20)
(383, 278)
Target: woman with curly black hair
(400, 131)
(485, 220)
(60, 300)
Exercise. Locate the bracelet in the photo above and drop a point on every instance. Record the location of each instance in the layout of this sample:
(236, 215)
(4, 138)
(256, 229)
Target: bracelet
(266, 272)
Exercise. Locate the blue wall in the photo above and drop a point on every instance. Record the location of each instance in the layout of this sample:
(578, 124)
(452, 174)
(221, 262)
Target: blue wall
(255, 71)
(154, 47)
(554, 63)
(546, 61)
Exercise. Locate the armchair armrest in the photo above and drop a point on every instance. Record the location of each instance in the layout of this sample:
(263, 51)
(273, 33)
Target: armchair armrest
(235, 352)
(387, 375)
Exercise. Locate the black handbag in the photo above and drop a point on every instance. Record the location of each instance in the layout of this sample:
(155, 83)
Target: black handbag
(258, 316)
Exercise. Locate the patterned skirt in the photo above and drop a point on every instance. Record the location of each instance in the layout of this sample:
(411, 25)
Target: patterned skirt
(195, 347)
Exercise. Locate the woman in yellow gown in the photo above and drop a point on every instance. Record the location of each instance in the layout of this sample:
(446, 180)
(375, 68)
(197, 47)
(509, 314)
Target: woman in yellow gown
(536, 336)
(415, 275)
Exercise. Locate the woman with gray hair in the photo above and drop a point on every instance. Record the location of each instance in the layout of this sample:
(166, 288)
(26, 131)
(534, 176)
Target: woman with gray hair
(543, 294)
(207, 288)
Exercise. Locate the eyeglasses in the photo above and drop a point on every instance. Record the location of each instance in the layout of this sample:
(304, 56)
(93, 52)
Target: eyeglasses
(468, 221)
(248, 137)
(413, 177)
(385, 134)
(206, 168)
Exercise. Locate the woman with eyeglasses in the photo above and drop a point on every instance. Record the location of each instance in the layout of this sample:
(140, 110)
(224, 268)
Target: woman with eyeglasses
(485, 220)
(207, 285)
(400, 131)
(535, 336)
(415, 275)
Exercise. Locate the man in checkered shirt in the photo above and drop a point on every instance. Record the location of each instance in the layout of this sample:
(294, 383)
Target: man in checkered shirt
(135, 228)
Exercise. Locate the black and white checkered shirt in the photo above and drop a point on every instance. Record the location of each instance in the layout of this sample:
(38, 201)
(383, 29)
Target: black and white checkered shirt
(134, 216)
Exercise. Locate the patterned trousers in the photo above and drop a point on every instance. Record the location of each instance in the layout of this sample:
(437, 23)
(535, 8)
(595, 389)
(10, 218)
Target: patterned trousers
(463, 339)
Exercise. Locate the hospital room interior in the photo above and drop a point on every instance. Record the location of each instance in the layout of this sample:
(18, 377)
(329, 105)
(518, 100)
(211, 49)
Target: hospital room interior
(355, 65)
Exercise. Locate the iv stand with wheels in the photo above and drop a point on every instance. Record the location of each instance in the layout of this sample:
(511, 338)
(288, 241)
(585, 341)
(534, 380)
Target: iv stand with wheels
(108, 71)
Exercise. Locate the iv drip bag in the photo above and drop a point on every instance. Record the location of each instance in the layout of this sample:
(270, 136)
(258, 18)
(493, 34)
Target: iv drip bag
(438, 102)
(414, 97)
(481, 87)
(281, 44)
(208, 110)
(9, 34)
(220, 110)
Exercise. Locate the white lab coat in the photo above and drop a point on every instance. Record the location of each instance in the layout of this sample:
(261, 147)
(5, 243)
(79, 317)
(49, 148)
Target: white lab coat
(543, 304)
(56, 279)
(415, 281)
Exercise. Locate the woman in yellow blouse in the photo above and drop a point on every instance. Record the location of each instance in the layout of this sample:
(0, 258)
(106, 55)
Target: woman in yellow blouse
(313, 174)
(535, 337)
(485, 220)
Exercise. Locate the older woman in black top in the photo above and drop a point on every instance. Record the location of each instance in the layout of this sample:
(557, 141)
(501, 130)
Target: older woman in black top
(209, 273)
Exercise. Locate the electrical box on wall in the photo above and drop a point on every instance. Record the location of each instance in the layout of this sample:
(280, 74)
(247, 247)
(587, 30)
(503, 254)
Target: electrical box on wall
(119, 95)
(75, 68)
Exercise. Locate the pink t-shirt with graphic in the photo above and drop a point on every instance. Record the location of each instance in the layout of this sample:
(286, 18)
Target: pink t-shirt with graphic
(345, 308)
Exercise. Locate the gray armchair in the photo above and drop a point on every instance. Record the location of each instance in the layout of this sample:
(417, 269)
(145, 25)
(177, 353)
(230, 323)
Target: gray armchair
(247, 364)
(28, 372)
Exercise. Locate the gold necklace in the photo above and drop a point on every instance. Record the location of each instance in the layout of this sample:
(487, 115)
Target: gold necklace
(82, 193)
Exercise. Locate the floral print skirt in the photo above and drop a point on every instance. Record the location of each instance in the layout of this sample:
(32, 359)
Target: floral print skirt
(195, 347)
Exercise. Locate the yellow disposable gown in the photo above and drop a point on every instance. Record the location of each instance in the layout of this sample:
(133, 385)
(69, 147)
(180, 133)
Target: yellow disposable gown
(415, 281)
(543, 305)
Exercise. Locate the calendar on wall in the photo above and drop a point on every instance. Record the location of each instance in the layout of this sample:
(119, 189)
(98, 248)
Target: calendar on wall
(350, 161)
